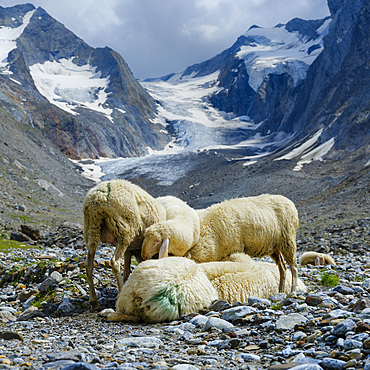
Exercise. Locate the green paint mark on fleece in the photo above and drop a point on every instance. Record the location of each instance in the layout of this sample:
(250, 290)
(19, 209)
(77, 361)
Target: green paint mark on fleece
(170, 298)
(106, 191)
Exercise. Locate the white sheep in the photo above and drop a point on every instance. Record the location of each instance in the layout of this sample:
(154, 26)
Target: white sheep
(117, 212)
(317, 259)
(239, 277)
(258, 226)
(176, 235)
(164, 289)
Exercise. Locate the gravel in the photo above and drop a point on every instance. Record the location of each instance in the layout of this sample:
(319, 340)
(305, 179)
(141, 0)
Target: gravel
(47, 322)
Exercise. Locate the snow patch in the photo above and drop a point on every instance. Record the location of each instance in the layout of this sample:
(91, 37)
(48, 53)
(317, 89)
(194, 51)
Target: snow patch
(69, 86)
(299, 150)
(307, 155)
(8, 37)
(315, 154)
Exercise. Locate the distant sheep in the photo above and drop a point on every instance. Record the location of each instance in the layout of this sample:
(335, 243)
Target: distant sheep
(176, 235)
(258, 226)
(163, 290)
(117, 212)
(317, 259)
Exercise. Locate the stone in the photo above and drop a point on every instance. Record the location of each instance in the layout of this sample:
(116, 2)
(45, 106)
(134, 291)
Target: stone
(6, 316)
(145, 342)
(11, 335)
(332, 364)
(199, 320)
(313, 300)
(81, 366)
(288, 322)
(219, 305)
(31, 232)
(342, 328)
(214, 322)
(349, 344)
(235, 313)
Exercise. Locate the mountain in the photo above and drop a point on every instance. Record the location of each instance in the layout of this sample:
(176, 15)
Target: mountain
(84, 100)
(303, 81)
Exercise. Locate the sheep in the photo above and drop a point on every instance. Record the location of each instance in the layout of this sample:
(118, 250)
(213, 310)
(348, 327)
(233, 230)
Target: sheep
(317, 259)
(161, 290)
(258, 226)
(176, 235)
(117, 212)
(238, 277)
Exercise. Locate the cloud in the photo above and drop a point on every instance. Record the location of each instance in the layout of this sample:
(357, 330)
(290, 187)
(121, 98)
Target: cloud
(157, 37)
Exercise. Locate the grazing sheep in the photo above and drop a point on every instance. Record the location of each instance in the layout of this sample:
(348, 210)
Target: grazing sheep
(117, 212)
(176, 235)
(258, 226)
(317, 259)
(164, 289)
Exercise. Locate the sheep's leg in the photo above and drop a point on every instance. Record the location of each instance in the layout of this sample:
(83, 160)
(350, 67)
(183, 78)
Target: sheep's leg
(89, 273)
(294, 271)
(116, 266)
(277, 257)
(126, 265)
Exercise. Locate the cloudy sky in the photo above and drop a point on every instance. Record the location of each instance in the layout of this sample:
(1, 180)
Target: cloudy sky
(158, 37)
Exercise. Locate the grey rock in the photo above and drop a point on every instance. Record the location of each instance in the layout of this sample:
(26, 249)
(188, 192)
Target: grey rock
(56, 276)
(342, 328)
(288, 322)
(349, 344)
(332, 364)
(48, 283)
(65, 308)
(199, 320)
(236, 313)
(259, 301)
(214, 322)
(145, 342)
(81, 366)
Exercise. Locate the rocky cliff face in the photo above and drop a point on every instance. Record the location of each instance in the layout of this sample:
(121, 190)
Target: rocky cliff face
(335, 96)
(84, 100)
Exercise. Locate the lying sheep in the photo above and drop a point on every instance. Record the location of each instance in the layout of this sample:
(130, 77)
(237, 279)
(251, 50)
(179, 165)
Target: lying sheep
(176, 235)
(240, 277)
(164, 289)
(317, 259)
(117, 212)
(258, 226)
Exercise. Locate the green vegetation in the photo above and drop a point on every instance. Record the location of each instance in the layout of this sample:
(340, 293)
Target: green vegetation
(6, 245)
(277, 306)
(328, 278)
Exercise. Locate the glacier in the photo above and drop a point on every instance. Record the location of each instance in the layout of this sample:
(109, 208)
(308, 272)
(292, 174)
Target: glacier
(68, 85)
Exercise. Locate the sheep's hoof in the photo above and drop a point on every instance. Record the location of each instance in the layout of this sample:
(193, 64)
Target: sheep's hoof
(95, 306)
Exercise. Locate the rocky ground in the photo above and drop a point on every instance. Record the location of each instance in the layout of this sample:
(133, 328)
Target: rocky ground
(46, 322)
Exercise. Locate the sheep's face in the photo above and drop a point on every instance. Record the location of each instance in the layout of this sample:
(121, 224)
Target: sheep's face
(151, 245)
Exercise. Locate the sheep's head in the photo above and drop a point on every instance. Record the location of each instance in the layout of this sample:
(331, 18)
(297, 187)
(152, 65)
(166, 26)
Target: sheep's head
(154, 243)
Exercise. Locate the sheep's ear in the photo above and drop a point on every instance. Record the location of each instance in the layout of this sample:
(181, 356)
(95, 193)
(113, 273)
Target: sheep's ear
(163, 251)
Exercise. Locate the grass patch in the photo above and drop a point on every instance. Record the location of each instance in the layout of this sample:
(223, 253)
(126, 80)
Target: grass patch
(328, 278)
(277, 306)
(6, 245)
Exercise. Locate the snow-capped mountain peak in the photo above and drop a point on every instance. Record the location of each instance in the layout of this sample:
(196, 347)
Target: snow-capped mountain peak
(280, 50)
(8, 39)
